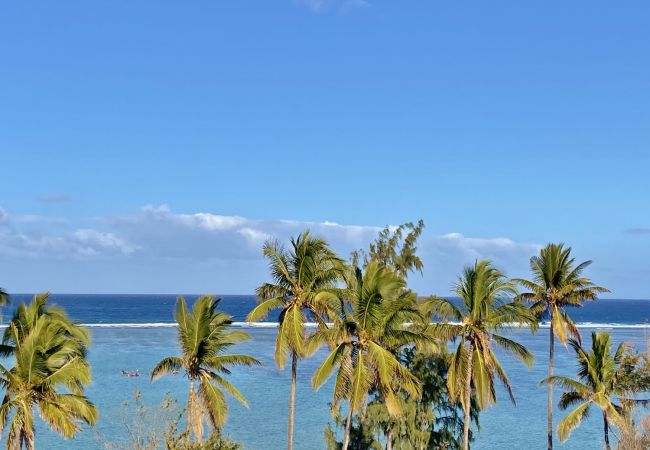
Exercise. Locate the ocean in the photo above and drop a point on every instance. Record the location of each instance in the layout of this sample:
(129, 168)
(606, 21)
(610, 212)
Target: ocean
(133, 332)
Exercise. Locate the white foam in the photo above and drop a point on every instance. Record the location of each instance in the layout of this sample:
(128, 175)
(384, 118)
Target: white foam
(131, 325)
(604, 325)
(269, 324)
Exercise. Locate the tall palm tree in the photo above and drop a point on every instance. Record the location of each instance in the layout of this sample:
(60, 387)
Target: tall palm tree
(557, 283)
(205, 337)
(373, 323)
(303, 280)
(599, 383)
(49, 352)
(486, 307)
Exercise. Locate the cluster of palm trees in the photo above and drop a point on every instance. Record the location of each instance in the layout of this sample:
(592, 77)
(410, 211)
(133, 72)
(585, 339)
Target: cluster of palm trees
(366, 316)
(373, 314)
(364, 313)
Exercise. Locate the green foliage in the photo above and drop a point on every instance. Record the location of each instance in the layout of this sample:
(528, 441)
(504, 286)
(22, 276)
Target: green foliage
(205, 339)
(157, 428)
(605, 380)
(435, 421)
(634, 371)
(431, 422)
(395, 248)
(558, 283)
(50, 373)
(373, 323)
(486, 308)
(303, 286)
(363, 433)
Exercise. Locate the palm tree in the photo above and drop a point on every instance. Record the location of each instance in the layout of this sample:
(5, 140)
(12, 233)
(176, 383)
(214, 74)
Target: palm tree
(557, 283)
(600, 382)
(49, 352)
(204, 338)
(484, 292)
(303, 280)
(373, 323)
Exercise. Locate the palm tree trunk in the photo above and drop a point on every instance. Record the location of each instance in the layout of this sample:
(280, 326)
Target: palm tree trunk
(606, 430)
(468, 398)
(190, 397)
(346, 434)
(292, 398)
(15, 442)
(389, 438)
(362, 421)
(549, 387)
(193, 415)
(29, 440)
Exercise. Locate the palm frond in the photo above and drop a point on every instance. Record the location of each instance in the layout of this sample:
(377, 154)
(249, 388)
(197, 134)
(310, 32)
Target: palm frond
(572, 421)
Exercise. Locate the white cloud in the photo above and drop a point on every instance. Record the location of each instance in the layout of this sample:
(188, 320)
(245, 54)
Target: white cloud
(34, 236)
(477, 248)
(94, 239)
(157, 237)
(159, 232)
(253, 236)
(445, 255)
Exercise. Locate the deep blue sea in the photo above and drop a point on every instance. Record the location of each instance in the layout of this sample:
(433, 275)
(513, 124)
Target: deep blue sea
(133, 332)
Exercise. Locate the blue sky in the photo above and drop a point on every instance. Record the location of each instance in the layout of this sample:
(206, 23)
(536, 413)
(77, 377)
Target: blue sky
(151, 146)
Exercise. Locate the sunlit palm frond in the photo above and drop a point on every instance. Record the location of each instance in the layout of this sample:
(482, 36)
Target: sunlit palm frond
(205, 339)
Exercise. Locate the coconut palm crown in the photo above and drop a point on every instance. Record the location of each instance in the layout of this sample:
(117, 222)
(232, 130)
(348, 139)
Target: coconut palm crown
(205, 338)
(50, 373)
(485, 308)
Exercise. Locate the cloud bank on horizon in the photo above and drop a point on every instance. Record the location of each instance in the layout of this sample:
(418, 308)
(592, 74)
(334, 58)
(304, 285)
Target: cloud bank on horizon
(156, 249)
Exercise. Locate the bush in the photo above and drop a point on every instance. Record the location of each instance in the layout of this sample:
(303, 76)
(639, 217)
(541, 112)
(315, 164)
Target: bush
(635, 438)
(157, 428)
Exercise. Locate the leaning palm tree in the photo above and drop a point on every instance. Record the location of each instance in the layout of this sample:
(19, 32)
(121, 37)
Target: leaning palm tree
(599, 383)
(204, 337)
(484, 292)
(50, 373)
(557, 283)
(373, 323)
(303, 280)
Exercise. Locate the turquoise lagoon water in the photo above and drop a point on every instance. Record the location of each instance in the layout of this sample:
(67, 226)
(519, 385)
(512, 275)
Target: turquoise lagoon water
(137, 343)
